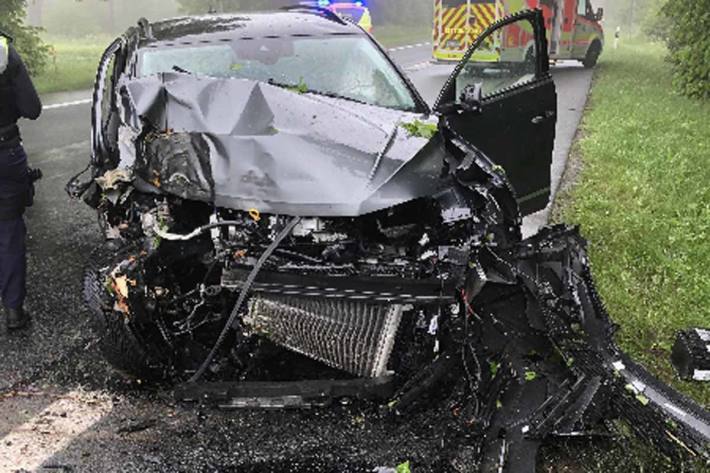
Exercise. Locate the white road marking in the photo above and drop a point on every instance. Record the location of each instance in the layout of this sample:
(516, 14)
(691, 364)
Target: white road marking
(29, 445)
(408, 46)
(66, 104)
(418, 66)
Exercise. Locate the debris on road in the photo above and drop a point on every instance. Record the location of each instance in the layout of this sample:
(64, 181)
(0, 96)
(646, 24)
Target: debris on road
(137, 426)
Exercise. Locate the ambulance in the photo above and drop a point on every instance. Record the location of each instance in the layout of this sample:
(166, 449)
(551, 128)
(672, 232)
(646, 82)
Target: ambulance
(573, 27)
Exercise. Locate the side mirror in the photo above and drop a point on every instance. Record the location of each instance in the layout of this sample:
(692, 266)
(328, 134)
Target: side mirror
(448, 108)
(472, 97)
(470, 100)
(600, 14)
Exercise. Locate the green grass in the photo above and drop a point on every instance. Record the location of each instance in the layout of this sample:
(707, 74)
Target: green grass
(643, 201)
(397, 35)
(72, 64)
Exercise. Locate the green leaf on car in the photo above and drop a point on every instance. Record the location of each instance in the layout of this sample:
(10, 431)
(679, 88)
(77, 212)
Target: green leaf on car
(300, 88)
(403, 468)
(420, 129)
(530, 376)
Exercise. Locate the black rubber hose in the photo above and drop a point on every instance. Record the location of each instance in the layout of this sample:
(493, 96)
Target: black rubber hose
(242, 296)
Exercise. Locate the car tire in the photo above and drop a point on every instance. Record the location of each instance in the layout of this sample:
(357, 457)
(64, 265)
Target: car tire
(119, 341)
(593, 53)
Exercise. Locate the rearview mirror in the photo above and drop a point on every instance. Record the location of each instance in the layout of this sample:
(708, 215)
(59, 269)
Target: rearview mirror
(600, 14)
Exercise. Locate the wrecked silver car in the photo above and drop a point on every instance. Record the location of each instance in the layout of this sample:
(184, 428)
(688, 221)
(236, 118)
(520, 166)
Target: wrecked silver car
(287, 223)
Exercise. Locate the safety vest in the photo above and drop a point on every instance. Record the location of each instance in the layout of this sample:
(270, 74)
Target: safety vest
(4, 53)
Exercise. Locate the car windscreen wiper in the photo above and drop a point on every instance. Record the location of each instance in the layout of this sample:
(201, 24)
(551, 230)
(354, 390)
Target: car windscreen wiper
(303, 89)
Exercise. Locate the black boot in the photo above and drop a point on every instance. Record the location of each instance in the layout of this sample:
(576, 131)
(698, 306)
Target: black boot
(16, 318)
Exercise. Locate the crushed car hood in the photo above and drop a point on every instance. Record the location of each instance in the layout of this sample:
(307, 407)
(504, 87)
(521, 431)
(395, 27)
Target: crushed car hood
(245, 144)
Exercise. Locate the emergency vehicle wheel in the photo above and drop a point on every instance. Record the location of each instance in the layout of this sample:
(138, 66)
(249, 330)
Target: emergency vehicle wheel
(592, 56)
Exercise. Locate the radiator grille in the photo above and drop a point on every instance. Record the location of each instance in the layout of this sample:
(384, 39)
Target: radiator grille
(353, 336)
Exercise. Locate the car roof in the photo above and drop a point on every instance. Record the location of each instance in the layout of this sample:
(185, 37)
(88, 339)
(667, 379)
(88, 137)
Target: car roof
(253, 25)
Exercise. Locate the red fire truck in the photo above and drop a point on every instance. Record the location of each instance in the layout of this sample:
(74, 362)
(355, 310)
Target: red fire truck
(574, 29)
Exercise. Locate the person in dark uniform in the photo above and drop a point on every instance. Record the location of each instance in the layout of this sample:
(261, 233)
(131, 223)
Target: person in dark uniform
(18, 99)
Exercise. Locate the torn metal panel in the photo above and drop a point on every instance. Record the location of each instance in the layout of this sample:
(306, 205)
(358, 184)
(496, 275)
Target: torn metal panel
(177, 163)
(280, 151)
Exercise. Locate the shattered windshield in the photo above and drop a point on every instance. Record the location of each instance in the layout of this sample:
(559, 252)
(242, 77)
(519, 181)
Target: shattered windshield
(349, 67)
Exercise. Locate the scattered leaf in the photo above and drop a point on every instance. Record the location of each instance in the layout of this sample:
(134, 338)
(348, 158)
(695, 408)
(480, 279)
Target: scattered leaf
(403, 468)
(420, 129)
(530, 376)
(494, 366)
(300, 88)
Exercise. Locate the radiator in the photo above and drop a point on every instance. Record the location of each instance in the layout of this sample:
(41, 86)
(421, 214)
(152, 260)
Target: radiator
(353, 336)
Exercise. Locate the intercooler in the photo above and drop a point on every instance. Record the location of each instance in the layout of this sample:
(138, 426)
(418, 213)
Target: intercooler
(353, 336)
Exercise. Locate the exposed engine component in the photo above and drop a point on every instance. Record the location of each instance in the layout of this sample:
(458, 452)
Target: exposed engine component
(356, 337)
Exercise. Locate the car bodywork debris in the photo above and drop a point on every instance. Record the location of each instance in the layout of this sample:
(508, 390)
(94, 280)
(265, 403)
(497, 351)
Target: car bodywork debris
(285, 395)
(691, 354)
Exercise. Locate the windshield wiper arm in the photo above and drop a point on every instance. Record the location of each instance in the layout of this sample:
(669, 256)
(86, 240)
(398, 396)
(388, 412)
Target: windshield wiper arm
(332, 95)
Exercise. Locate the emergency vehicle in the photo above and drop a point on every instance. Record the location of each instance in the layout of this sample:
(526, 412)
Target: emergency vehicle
(357, 12)
(574, 29)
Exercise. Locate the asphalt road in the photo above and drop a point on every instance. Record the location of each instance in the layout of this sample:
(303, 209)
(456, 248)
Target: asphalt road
(62, 407)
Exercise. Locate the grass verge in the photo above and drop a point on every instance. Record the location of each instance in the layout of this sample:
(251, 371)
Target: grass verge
(637, 184)
(72, 64)
(643, 201)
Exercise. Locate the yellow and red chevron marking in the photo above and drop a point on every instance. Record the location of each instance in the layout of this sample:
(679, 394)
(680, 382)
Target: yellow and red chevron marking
(484, 14)
(437, 13)
(454, 26)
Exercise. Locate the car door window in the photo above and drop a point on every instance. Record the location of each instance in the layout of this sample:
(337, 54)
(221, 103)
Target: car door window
(504, 58)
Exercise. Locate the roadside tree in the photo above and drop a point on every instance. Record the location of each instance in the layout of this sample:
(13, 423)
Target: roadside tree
(689, 45)
(27, 41)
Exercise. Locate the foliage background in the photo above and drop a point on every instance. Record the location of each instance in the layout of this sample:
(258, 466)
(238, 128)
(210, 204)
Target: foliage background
(27, 40)
(687, 24)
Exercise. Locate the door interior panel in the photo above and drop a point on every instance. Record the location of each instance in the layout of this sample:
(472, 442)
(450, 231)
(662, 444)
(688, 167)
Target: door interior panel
(501, 98)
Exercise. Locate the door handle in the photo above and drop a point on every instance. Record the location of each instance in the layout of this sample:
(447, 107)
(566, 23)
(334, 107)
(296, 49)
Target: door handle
(541, 118)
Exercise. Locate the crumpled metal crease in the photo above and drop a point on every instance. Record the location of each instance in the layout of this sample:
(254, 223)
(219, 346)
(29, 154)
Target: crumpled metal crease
(278, 150)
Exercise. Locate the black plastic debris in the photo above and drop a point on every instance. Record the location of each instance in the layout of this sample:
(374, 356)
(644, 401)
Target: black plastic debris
(691, 354)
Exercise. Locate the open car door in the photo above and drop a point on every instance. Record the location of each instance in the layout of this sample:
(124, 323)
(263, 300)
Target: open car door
(501, 99)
